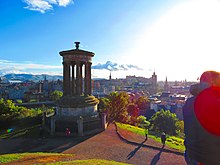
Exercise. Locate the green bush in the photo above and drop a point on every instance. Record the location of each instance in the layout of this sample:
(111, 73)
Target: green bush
(56, 95)
(19, 101)
(12, 115)
(164, 121)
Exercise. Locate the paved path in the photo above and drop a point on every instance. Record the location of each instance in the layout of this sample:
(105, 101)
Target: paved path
(111, 146)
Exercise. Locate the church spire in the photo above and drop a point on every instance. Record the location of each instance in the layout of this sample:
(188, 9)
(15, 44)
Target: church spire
(166, 86)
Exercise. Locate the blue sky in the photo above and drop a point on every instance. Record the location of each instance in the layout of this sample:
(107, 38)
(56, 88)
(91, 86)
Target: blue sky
(176, 38)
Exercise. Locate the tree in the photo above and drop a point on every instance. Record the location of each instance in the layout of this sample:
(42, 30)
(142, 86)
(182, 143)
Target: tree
(180, 127)
(133, 111)
(142, 102)
(164, 121)
(7, 109)
(117, 109)
(11, 115)
(56, 95)
(142, 122)
(103, 104)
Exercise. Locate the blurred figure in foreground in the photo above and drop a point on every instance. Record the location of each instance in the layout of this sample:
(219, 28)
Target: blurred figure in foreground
(201, 115)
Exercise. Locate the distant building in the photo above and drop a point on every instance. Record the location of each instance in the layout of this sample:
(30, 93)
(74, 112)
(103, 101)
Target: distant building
(103, 87)
(154, 83)
(166, 86)
(168, 101)
(110, 76)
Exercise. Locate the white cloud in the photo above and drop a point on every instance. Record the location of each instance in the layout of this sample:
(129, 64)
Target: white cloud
(38, 5)
(52, 1)
(7, 67)
(45, 5)
(111, 66)
(64, 2)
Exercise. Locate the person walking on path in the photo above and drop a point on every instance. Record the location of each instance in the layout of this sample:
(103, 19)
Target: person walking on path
(146, 133)
(163, 138)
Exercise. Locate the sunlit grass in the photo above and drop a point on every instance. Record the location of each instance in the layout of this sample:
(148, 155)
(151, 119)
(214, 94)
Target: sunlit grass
(49, 158)
(131, 128)
(10, 157)
(172, 141)
(7, 158)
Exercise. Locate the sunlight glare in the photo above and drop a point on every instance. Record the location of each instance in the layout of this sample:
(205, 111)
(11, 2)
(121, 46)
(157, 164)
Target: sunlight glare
(183, 42)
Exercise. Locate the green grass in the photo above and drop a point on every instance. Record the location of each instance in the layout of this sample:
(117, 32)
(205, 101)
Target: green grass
(172, 141)
(10, 157)
(90, 162)
(7, 158)
(131, 128)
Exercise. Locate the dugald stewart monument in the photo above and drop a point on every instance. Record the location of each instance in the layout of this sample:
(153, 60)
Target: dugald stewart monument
(77, 108)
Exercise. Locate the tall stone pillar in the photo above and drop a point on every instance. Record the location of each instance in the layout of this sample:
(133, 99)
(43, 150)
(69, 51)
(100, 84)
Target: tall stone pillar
(89, 85)
(67, 78)
(71, 79)
(88, 78)
(64, 79)
(73, 90)
(78, 79)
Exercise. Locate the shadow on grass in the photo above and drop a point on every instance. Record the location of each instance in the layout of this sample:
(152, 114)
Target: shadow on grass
(145, 145)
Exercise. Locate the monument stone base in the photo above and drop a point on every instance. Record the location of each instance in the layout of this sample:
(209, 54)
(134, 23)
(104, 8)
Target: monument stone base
(79, 114)
(62, 112)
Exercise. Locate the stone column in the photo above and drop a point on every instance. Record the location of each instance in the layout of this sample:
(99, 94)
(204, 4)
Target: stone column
(86, 79)
(78, 78)
(52, 125)
(64, 79)
(89, 85)
(68, 79)
(104, 125)
(73, 80)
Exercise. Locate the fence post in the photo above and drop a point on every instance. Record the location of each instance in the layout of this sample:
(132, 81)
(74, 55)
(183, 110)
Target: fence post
(52, 125)
(104, 125)
(80, 126)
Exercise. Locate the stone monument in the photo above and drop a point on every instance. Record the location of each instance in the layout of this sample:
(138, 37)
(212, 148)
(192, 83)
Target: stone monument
(77, 109)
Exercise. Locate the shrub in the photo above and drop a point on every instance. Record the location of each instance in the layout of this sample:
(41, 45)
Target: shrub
(12, 115)
(164, 121)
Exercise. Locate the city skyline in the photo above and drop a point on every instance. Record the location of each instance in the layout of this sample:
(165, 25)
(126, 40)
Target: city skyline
(176, 39)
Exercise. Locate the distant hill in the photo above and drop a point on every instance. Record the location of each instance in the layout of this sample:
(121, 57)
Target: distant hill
(31, 77)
